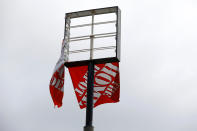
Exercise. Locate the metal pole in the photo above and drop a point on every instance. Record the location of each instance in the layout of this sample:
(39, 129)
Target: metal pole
(90, 91)
(90, 86)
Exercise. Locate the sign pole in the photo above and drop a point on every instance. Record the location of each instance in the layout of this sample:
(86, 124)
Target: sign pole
(90, 93)
(92, 60)
(90, 86)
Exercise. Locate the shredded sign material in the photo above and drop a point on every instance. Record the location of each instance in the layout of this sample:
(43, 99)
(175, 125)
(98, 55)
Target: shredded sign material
(106, 82)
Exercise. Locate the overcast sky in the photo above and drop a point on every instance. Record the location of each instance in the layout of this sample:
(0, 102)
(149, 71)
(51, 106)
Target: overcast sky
(158, 68)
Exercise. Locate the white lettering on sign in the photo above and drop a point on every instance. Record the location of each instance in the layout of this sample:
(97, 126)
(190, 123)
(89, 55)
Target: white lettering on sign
(82, 86)
(53, 81)
(102, 83)
(108, 92)
(102, 79)
(83, 101)
(111, 89)
(85, 77)
(57, 81)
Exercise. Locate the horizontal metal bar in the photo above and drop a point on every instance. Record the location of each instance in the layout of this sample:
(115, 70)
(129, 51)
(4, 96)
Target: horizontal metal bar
(85, 50)
(92, 11)
(104, 36)
(97, 23)
(85, 37)
(110, 33)
(76, 26)
(103, 48)
(78, 51)
(79, 39)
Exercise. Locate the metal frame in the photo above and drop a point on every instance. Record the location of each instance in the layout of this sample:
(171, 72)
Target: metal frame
(92, 36)
(91, 62)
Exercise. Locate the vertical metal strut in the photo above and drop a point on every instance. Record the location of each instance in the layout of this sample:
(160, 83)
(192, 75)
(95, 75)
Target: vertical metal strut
(92, 38)
(90, 91)
(90, 86)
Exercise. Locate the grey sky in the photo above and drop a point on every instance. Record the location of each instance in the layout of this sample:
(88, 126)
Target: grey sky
(158, 67)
